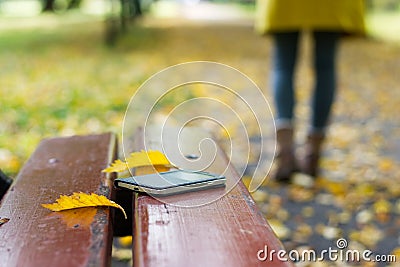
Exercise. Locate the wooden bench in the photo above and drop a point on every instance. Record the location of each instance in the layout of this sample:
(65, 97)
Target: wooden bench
(226, 232)
(35, 236)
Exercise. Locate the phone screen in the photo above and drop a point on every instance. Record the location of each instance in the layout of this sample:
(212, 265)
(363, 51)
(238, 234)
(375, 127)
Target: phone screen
(170, 179)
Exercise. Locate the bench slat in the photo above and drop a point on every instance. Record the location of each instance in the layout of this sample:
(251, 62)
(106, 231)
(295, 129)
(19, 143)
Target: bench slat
(35, 236)
(226, 232)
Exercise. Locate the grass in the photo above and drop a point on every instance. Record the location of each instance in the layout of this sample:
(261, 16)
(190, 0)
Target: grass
(59, 81)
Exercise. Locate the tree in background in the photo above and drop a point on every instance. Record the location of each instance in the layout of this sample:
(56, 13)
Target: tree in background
(386, 5)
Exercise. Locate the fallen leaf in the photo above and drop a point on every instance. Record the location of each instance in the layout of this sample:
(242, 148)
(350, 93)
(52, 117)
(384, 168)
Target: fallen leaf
(81, 200)
(161, 168)
(74, 218)
(355, 245)
(344, 217)
(365, 189)
(334, 187)
(394, 190)
(364, 216)
(303, 180)
(353, 200)
(246, 181)
(143, 158)
(281, 230)
(122, 254)
(369, 235)
(386, 164)
(324, 199)
(125, 241)
(382, 210)
(307, 212)
(139, 159)
(302, 233)
(396, 252)
(259, 196)
(282, 214)
(117, 166)
(300, 194)
(330, 232)
(3, 220)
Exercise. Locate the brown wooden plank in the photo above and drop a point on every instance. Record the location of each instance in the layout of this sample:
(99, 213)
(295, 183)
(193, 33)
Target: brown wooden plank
(226, 232)
(35, 236)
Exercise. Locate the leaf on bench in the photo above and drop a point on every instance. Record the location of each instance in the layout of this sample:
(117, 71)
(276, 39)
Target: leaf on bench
(140, 159)
(3, 220)
(117, 166)
(81, 200)
(74, 218)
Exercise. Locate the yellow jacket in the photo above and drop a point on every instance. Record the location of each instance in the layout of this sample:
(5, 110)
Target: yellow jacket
(285, 15)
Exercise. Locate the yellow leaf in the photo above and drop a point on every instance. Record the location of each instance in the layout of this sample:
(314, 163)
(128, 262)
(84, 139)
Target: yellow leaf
(81, 200)
(386, 164)
(139, 159)
(382, 206)
(161, 168)
(125, 241)
(396, 252)
(143, 158)
(365, 189)
(82, 217)
(334, 187)
(3, 220)
(281, 230)
(117, 166)
(246, 181)
(259, 196)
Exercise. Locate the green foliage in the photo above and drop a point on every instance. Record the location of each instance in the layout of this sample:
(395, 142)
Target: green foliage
(386, 5)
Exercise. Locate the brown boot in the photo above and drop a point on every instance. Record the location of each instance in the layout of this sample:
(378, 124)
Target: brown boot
(310, 162)
(285, 155)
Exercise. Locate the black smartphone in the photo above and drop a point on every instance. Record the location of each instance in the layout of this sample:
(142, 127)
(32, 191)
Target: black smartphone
(171, 182)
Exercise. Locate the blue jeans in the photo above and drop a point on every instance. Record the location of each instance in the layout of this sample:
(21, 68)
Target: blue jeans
(284, 58)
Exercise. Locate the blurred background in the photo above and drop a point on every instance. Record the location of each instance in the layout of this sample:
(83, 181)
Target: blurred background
(71, 66)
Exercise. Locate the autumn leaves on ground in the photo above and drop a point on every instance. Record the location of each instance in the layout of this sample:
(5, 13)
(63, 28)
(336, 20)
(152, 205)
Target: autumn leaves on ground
(64, 80)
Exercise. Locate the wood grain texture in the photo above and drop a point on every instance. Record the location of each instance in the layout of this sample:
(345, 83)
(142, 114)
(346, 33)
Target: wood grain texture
(35, 236)
(225, 228)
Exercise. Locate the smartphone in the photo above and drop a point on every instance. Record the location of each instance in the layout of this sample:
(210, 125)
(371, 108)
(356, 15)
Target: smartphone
(171, 182)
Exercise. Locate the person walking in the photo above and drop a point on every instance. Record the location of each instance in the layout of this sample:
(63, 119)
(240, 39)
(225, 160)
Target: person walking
(285, 20)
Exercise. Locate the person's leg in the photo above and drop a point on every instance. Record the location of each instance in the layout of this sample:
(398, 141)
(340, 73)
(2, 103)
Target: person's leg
(325, 45)
(284, 61)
